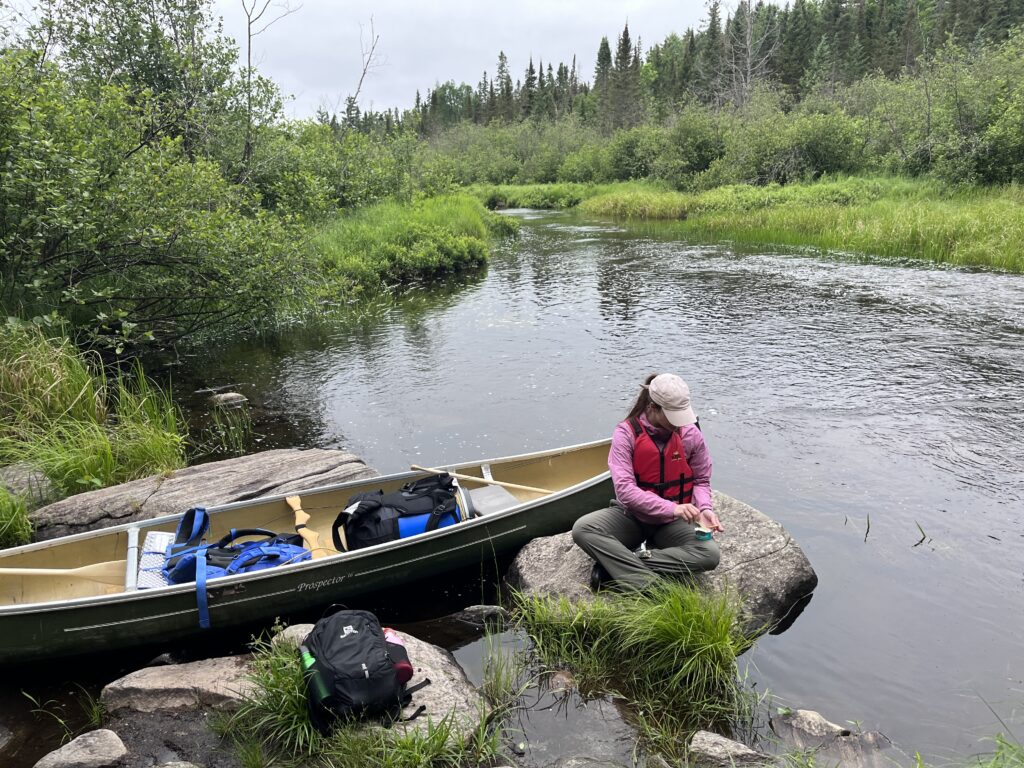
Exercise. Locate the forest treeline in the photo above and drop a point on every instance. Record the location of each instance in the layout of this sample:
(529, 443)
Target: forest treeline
(808, 47)
(151, 189)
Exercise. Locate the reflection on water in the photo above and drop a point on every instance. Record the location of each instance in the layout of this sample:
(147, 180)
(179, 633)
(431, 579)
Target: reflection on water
(866, 405)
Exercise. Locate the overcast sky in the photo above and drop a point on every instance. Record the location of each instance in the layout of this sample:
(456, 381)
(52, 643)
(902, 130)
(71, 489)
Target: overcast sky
(314, 53)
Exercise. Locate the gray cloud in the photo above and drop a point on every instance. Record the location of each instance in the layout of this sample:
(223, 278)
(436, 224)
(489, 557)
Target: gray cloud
(314, 54)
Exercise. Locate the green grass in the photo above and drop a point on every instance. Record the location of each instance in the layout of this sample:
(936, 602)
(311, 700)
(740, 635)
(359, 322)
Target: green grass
(272, 727)
(394, 242)
(64, 417)
(671, 653)
(893, 217)
(15, 527)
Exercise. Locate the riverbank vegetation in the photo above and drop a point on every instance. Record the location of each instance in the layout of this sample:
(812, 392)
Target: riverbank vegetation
(885, 216)
(62, 415)
(671, 653)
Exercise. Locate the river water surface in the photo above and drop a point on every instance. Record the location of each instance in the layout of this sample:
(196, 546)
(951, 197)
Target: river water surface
(873, 408)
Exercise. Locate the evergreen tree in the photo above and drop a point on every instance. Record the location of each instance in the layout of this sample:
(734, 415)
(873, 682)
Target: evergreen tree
(528, 94)
(711, 58)
(505, 105)
(603, 84)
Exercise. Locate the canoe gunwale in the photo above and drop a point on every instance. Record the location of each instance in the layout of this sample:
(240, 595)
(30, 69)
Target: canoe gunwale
(309, 567)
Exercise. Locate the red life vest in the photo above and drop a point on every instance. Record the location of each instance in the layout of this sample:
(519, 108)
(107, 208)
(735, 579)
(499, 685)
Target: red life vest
(665, 471)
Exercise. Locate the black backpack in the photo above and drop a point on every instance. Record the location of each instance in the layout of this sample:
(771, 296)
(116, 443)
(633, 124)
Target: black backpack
(350, 671)
(376, 517)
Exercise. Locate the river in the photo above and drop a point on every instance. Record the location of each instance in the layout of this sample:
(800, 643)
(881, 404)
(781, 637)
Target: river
(872, 407)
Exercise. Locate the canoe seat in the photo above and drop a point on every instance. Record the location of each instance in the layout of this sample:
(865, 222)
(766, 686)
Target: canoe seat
(491, 498)
(152, 559)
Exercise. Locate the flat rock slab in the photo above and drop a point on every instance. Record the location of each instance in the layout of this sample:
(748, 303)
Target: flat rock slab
(450, 692)
(218, 482)
(211, 683)
(759, 559)
(96, 749)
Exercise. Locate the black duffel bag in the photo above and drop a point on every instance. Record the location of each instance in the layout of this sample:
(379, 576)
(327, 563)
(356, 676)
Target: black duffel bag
(376, 517)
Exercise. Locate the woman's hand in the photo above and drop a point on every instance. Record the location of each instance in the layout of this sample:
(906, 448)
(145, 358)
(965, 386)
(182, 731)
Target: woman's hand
(687, 512)
(710, 520)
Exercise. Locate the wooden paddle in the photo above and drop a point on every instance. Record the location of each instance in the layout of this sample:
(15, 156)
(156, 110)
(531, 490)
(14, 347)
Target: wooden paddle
(110, 572)
(483, 480)
(311, 537)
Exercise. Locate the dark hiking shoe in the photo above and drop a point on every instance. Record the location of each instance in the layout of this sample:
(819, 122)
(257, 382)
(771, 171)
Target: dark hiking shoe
(599, 577)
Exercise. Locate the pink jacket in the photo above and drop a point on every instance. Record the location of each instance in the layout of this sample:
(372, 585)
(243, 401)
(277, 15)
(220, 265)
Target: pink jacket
(647, 506)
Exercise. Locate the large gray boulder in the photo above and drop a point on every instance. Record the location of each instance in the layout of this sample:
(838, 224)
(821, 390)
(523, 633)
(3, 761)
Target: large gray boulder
(211, 683)
(219, 482)
(96, 749)
(450, 693)
(760, 560)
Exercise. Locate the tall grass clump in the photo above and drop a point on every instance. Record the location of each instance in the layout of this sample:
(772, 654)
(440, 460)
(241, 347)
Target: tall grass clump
(392, 242)
(15, 527)
(63, 416)
(671, 652)
(272, 727)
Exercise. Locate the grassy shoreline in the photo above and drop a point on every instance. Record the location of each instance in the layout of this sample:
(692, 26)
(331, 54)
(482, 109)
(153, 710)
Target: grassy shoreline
(879, 216)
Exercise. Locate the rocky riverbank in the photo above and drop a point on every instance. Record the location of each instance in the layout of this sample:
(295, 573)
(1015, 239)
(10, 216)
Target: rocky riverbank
(160, 715)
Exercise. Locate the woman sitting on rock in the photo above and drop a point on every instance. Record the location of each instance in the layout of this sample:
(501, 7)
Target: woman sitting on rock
(661, 470)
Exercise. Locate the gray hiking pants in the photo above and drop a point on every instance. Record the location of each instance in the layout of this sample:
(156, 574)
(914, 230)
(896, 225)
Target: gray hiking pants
(610, 536)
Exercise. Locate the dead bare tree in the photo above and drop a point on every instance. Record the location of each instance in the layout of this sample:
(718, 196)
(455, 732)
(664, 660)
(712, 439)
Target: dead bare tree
(255, 25)
(750, 50)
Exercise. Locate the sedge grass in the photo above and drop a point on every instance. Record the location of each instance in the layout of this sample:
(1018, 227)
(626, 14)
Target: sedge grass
(394, 242)
(62, 416)
(15, 527)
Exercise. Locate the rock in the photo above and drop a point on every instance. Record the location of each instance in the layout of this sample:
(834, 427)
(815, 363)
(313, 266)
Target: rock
(806, 730)
(6, 737)
(212, 683)
(218, 482)
(759, 559)
(709, 750)
(481, 616)
(228, 400)
(294, 634)
(449, 690)
(96, 749)
(552, 565)
(29, 483)
(180, 739)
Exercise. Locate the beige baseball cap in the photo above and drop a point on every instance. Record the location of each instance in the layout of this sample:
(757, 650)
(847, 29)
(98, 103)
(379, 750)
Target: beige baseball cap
(672, 394)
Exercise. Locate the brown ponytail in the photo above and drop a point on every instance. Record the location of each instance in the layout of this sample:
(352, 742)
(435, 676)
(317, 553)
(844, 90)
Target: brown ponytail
(643, 399)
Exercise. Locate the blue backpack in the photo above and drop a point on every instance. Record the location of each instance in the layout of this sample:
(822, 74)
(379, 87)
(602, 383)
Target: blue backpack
(188, 559)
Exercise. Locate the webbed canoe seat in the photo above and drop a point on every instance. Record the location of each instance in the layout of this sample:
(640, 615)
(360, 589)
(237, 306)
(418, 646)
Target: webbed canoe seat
(151, 560)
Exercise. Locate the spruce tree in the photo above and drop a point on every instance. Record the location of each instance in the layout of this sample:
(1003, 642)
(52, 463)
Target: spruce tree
(711, 58)
(529, 91)
(603, 84)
